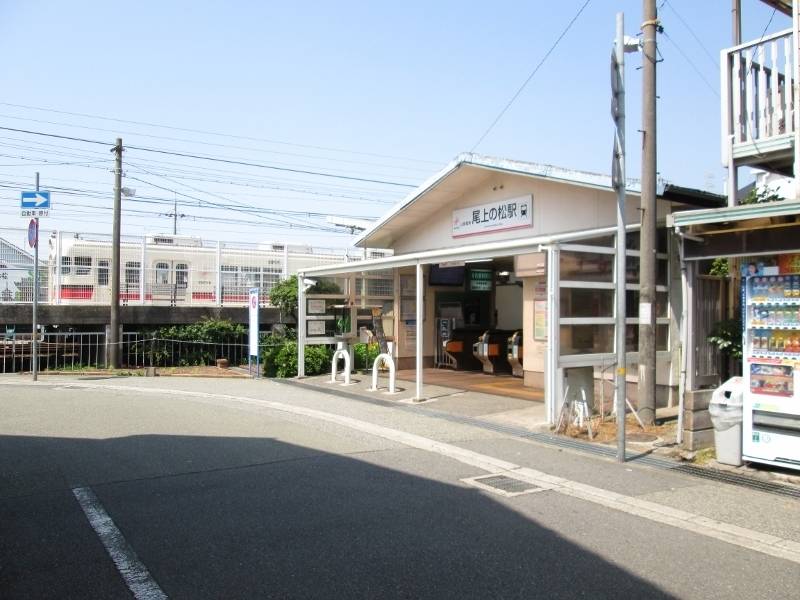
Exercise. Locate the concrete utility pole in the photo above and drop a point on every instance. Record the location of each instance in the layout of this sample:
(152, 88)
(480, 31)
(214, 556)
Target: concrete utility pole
(113, 335)
(34, 336)
(647, 244)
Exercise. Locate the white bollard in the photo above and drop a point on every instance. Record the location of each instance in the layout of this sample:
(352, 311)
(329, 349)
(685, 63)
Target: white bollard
(387, 358)
(341, 353)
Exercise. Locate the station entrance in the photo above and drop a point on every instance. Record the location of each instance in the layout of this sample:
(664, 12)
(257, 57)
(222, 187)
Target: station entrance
(478, 317)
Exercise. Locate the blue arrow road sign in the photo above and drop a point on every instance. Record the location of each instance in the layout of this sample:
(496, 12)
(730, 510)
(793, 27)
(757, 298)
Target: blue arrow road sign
(35, 204)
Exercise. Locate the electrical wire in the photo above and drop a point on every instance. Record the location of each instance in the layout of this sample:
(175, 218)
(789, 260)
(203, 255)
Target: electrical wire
(714, 60)
(217, 134)
(213, 144)
(713, 89)
(220, 160)
(532, 74)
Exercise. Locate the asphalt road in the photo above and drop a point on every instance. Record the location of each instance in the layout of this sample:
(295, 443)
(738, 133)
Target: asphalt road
(219, 498)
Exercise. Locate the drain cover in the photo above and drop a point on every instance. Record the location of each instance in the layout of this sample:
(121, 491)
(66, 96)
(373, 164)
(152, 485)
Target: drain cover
(504, 485)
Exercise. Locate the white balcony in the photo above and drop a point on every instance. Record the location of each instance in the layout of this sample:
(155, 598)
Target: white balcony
(758, 103)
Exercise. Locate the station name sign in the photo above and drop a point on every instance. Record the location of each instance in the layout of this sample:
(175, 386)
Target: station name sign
(502, 215)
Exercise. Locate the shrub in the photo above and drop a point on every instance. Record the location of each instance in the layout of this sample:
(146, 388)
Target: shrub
(174, 345)
(279, 354)
(364, 355)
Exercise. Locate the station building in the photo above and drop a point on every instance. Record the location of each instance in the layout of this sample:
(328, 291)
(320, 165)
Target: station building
(507, 258)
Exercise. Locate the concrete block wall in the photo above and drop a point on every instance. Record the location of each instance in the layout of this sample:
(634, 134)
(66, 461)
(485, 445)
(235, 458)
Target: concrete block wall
(697, 429)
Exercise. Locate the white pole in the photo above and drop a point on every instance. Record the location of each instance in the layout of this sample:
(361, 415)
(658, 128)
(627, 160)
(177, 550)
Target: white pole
(218, 292)
(58, 268)
(143, 271)
(301, 327)
(684, 333)
(420, 314)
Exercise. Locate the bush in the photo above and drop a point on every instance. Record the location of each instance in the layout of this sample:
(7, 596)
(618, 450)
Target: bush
(174, 345)
(364, 355)
(279, 354)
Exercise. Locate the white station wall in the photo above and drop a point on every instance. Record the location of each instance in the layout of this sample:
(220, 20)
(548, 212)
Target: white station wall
(557, 207)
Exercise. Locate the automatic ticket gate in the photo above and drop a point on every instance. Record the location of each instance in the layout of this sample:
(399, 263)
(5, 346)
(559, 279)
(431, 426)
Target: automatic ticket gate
(515, 354)
(491, 350)
(459, 350)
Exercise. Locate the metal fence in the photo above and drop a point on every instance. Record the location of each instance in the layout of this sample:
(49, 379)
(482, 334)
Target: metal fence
(55, 351)
(88, 351)
(143, 350)
(172, 270)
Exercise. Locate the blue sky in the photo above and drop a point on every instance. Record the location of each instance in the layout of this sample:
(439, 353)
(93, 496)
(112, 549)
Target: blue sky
(370, 90)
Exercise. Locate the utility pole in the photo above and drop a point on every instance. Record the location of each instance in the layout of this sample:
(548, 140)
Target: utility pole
(113, 336)
(647, 244)
(174, 214)
(34, 335)
(618, 182)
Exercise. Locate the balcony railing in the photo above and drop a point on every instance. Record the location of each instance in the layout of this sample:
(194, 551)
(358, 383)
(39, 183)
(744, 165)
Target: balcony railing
(758, 100)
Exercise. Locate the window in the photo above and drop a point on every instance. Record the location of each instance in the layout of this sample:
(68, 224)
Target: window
(182, 275)
(251, 277)
(587, 266)
(83, 265)
(102, 272)
(587, 339)
(66, 264)
(230, 277)
(132, 272)
(162, 273)
(585, 303)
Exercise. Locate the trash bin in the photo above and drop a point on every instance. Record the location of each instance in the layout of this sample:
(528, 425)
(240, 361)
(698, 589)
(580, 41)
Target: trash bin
(726, 416)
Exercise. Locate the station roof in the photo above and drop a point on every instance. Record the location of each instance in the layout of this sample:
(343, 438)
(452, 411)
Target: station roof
(468, 169)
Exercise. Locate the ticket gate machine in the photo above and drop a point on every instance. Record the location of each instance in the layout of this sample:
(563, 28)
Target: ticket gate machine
(491, 350)
(515, 354)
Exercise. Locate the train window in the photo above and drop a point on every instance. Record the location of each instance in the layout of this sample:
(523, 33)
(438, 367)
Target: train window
(230, 276)
(83, 265)
(66, 263)
(181, 275)
(252, 276)
(102, 272)
(162, 273)
(132, 272)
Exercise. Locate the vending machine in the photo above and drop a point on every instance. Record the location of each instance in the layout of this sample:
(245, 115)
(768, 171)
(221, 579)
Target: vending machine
(771, 363)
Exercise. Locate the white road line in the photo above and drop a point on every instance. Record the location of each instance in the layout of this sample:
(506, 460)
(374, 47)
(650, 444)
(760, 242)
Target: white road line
(698, 524)
(135, 574)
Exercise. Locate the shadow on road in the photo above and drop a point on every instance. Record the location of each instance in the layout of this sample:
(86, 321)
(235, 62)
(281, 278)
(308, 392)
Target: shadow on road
(219, 517)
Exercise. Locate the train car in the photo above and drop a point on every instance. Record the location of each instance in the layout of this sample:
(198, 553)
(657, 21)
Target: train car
(175, 270)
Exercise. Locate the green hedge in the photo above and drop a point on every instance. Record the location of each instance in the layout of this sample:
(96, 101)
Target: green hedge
(279, 355)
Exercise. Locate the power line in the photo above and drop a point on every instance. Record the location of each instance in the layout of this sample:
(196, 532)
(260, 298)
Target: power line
(167, 166)
(271, 167)
(535, 70)
(710, 56)
(204, 143)
(220, 160)
(215, 133)
(692, 64)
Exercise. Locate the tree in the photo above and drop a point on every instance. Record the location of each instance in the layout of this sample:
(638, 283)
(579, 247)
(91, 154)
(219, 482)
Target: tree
(284, 296)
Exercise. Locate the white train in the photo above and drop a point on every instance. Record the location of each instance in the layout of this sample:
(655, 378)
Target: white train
(177, 270)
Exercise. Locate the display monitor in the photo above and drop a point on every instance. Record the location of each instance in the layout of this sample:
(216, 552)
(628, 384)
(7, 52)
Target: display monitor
(453, 276)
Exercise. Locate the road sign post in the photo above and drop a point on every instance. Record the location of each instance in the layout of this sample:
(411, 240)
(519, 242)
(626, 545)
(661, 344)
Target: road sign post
(35, 204)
